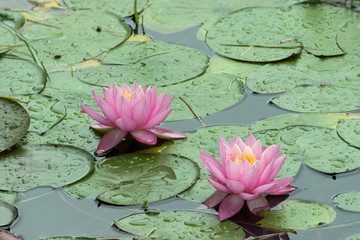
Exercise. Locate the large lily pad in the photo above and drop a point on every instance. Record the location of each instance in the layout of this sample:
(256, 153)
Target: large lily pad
(76, 35)
(206, 94)
(43, 165)
(137, 178)
(319, 148)
(349, 131)
(180, 225)
(147, 63)
(270, 39)
(20, 77)
(14, 123)
(298, 215)
(172, 16)
(8, 213)
(9, 197)
(126, 8)
(9, 19)
(348, 37)
(348, 201)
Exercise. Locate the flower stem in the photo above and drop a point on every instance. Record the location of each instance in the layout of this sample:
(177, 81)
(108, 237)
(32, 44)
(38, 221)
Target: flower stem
(192, 110)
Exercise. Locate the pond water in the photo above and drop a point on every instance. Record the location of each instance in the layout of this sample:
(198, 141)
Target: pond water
(45, 212)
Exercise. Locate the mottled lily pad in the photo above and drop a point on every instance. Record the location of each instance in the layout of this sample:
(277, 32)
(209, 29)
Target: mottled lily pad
(348, 201)
(348, 37)
(14, 123)
(20, 77)
(349, 131)
(206, 94)
(180, 225)
(126, 8)
(298, 215)
(8, 213)
(319, 148)
(76, 35)
(147, 63)
(137, 178)
(9, 197)
(270, 39)
(43, 165)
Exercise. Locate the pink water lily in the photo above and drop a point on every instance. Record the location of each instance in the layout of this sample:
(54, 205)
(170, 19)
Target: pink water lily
(246, 173)
(133, 110)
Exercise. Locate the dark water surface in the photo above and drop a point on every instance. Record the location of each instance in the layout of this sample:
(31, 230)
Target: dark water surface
(45, 212)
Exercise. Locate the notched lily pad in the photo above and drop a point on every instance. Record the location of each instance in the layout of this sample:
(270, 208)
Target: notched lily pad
(348, 201)
(348, 37)
(298, 215)
(8, 213)
(349, 131)
(30, 166)
(135, 178)
(180, 225)
(14, 123)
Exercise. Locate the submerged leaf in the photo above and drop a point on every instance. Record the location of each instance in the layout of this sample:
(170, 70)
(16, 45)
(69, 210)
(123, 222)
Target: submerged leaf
(180, 225)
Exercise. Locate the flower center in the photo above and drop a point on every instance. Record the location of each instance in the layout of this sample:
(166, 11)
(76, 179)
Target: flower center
(248, 155)
(127, 95)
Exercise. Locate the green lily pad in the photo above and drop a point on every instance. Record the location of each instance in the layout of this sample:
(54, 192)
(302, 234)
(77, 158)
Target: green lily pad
(349, 131)
(126, 8)
(348, 37)
(137, 178)
(8, 213)
(180, 225)
(45, 112)
(84, 238)
(269, 40)
(76, 35)
(353, 237)
(147, 63)
(348, 201)
(9, 197)
(206, 94)
(327, 120)
(14, 20)
(14, 123)
(172, 16)
(43, 165)
(298, 215)
(20, 77)
(319, 148)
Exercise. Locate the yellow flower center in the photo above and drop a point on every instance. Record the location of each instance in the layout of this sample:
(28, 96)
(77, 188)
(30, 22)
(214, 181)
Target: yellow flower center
(127, 95)
(247, 155)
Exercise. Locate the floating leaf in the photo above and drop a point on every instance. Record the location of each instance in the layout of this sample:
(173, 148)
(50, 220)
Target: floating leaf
(14, 123)
(147, 63)
(8, 214)
(137, 178)
(298, 215)
(348, 201)
(172, 16)
(7, 38)
(180, 225)
(319, 148)
(126, 8)
(353, 237)
(43, 165)
(84, 238)
(9, 197)
(349, 131)
(265, 40)
(76, 35)
(20, 77)
(206, 94)
(348, 37)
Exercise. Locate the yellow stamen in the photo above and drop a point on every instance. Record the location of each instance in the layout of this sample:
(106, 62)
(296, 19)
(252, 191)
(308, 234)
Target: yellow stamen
(127, 95)
(247, 155)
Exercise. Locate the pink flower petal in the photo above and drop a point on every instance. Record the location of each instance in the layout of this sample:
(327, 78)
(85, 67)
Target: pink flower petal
(141, 111)
(276, 167)
(123, 107)
(249, 196)
(238, 141)
(215, 199)
(271, 170)
(250, 140)
(280, 185)
(110, 140)
(144, 136)
(271, 153)
(219, 186)
(213, 166)
(258, 204)
(264, 189)
(97, 117)
(230, 206)
(283, 190)
(250, 177)
(167, 134)
(235, 186)
(224, 150)
(159, 102)
(257, 149)
(126, 124)
(156, 120)
(101, 127)
(232, 171)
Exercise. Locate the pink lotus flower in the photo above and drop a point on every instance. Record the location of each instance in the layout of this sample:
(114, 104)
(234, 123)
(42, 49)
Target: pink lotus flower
(133, 110)
(246, 173)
